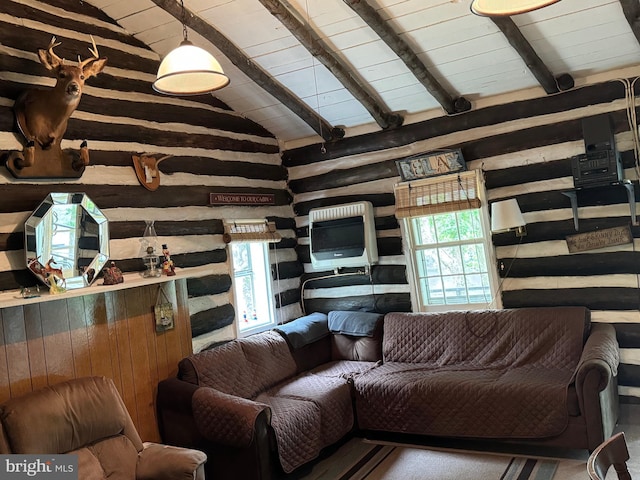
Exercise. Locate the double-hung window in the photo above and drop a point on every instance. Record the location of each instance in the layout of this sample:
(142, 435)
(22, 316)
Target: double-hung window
(252, 278)
(447, 242)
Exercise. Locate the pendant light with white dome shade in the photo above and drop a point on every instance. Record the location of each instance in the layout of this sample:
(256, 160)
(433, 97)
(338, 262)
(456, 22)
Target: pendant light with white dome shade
(503, 8)
(188, 69)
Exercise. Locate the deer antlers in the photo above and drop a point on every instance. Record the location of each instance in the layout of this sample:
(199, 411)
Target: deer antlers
(94, 52)
(50, 48)
(56, 60)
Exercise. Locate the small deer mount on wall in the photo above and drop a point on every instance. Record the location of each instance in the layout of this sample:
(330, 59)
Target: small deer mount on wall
(42, 116)
(147, 172)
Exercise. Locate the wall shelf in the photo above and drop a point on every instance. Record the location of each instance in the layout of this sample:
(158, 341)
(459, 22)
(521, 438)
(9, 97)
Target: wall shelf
(13, 298)
(631, 198)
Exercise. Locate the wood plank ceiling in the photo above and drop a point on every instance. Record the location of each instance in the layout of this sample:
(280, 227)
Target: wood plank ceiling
(306, 69)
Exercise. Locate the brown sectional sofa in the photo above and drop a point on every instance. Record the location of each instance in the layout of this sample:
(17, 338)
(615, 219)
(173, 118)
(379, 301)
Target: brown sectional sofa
(267, 404)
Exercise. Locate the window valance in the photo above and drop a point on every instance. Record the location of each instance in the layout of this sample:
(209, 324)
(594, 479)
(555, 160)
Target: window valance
(446, 193)
(250, 231)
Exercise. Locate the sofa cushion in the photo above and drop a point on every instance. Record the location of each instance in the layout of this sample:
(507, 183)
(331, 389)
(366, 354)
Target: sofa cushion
(331, 395)
(547, 337)
(313, 354)
(309, 340)
(269, 360)
(243, 367)
(453, 401)
(296, 424)
(304, 330)
(356, 324)
(223, 367)
(356, 335)
(347, 347)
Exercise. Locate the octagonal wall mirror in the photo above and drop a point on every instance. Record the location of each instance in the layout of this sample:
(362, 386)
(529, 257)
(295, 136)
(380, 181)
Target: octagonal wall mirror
(67, 240)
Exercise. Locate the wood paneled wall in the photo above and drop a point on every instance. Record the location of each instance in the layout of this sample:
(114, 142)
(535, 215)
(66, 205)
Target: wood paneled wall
(111, 334)
(525, 148)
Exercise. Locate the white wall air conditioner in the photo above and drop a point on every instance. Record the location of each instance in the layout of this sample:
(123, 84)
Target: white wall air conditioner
(342, 236)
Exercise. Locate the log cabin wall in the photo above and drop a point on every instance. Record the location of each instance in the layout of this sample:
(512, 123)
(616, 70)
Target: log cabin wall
(212, 149)
(525, 149)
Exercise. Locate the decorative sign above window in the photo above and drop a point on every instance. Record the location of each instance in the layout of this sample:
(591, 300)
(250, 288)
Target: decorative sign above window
(431, 164)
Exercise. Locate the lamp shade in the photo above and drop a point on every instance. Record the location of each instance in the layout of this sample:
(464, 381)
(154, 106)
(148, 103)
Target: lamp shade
(506, 215)
(189, 70)
(501, 8)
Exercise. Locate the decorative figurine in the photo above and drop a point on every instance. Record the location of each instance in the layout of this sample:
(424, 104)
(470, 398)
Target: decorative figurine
(56, 284)
(53, 275)
(25, 292)
(168, 268)
(112, 275)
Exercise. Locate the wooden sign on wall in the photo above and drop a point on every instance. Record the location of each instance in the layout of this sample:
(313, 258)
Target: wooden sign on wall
(242, 199)
(606, 237)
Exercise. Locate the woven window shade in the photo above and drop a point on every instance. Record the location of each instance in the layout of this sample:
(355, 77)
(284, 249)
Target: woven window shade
(250, 231)
(447, 193)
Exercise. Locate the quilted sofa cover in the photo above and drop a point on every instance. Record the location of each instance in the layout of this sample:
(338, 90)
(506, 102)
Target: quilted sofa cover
(242, 378)
(489, 374)
(268, 403)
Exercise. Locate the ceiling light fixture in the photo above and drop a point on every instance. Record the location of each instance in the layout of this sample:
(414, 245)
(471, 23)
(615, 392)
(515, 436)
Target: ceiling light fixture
(189, 70)
(503, 8)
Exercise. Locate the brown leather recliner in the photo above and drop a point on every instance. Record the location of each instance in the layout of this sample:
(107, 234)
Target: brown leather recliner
(87, 417)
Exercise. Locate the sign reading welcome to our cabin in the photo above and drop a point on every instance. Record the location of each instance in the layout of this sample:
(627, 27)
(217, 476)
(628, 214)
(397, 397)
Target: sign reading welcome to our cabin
(606, 237)
(242, 199)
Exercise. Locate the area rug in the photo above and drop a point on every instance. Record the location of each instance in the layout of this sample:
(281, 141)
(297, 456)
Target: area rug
(360, 459)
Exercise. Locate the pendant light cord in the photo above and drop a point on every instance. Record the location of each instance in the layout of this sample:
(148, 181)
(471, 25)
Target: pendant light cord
(184, 21)
(323, 149)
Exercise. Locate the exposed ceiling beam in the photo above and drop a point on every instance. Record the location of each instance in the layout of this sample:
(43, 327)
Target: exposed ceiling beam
(253, 71)
(408, 56)
(631, 9)
(308, 38)
(537, 67)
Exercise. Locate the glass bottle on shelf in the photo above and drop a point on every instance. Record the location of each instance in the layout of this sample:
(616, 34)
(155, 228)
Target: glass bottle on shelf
(149, 250)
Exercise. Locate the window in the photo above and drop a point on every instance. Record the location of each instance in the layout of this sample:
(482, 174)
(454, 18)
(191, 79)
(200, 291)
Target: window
(252, 287)
(448, 251)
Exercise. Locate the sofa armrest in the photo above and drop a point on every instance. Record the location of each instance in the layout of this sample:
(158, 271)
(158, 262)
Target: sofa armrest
(178, 426)
(163, 462)
(175, 415)
(226, 419)
(601, 354)
(596, 383)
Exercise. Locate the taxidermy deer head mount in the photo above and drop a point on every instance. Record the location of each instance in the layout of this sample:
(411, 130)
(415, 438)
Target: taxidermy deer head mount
(42, 115)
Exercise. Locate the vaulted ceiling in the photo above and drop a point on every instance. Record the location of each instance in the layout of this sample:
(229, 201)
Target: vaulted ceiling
(313, 70)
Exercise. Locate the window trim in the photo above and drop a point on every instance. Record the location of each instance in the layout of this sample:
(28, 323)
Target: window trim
(269, 294)
(494, 280)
